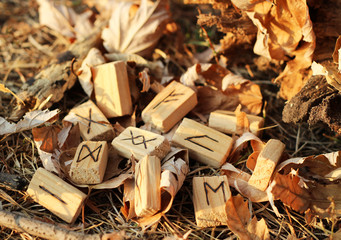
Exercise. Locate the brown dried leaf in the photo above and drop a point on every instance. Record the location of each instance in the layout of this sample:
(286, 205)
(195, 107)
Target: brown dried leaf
(284, 30)
(240, 223)
(138, 33)
(48, 136)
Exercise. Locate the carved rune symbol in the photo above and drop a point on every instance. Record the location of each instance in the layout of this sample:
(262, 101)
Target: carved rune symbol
(51, 193)
(89, 120)
(169, 98)
(201, 136)
(91, 153)
(221, 185)
(143, 139)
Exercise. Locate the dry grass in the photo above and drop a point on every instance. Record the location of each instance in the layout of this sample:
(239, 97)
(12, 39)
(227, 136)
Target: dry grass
(25, 47)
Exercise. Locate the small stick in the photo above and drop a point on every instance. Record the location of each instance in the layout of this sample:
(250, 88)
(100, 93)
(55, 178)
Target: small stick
(41, 229)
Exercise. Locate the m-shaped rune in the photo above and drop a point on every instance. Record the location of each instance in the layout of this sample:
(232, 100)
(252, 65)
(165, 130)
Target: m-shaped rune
(143, 139)
(91, 153)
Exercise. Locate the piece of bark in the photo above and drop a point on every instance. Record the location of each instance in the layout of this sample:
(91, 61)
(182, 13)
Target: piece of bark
(169, 106)
(93, 125)
(205, 144)
(298, 108)
(49, 85)
(41, 229)
(327, 112)
(13, 181)
(209, 198)
(53, 193)
(89, 163)
(266, 163)
(139, 143)
(226, 121)
(147, 186)
(111, 86)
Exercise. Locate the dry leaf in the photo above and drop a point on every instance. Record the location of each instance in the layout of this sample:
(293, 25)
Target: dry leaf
(65, 20)
(85, 76)
(247, 94)
(135, 32)
(310, 183)
(240, 223)
(239, 180)
(284, 30)
(29, 121)
(174, 170)
(48, 136)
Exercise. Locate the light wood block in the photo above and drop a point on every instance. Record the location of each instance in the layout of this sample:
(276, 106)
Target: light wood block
(209, 198)
(139, 143)
(205, 144)
(89, 163)
(53, 193)
(112, 92)
(226, 121)
(147, 186)
(266, 164)
(93, 125)
(169, 106)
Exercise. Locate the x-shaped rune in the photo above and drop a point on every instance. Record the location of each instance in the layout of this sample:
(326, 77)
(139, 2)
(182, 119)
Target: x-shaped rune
(89, 120)
(143, 139)
(95, 158)
(201, 136)
(168, 98)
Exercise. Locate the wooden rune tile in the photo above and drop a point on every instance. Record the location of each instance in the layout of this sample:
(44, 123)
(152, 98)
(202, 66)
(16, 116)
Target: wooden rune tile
(266, 163)
(111, 87)
(138, 142)
(147, 186)
(226, 121)
(53, 193)
(209, 198)
(89, 163)
(169, 106)
(93, 125)
(205, 144)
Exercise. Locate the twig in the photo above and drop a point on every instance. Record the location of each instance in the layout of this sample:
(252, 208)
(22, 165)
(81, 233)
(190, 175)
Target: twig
(41, 229)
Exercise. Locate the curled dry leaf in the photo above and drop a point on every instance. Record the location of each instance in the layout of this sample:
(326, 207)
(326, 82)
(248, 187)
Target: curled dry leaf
(29, 121)
(65, 20)
(174, 170)
(310, 183)
(239, 180)
(51, 141)
(284, 30)
(133, 31)
(240, 223)
(85, 74)
(222, 89)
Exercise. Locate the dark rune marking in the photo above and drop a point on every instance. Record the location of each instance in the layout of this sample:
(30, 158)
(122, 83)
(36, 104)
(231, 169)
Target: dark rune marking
(201, 136)
(143, 139)
(221, 185)
(52, 194)
(89, 120)
(95, 158)
(166, 99)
